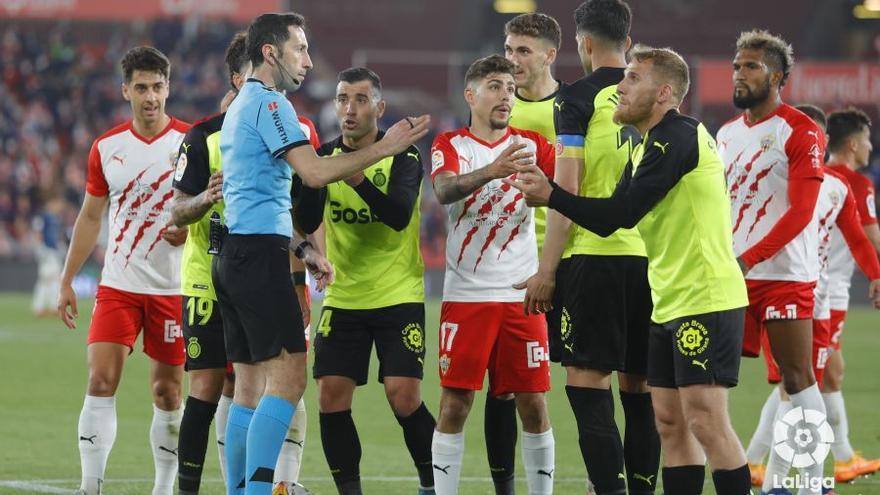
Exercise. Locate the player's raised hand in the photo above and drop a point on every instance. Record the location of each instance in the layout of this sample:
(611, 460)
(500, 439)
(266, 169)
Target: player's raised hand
(507, 162)
(214, 191)
(539, 293)
(227, 100)
(404, 133)
(320, 268)
(67, 299)
(174, 235)
(874, 293)
(533, 183)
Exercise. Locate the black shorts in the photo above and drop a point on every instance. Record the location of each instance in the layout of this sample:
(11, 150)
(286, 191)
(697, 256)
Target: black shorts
(554, 332)
(701, 349)
(261, 314)
(606, 313)
(344, 342)
(203, 334)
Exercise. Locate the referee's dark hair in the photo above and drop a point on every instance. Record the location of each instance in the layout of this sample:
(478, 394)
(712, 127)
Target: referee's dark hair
(843, 124)
(609, 20)
(145, 58)
(483, 67)
(536, 25)
(236, 55)
(270, 29)
(358, 74)
(815, 113)
(668, 65)
(778, 54)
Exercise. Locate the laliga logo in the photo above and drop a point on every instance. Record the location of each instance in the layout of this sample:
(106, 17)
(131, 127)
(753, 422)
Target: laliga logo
(803, 437)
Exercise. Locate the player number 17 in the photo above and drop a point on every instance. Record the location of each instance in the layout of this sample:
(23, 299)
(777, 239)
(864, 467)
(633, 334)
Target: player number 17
(447, 335)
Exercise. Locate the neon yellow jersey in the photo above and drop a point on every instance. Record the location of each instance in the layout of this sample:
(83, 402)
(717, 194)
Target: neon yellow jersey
(199, 158)
(585, 129)
(536, 116)
(376, 265)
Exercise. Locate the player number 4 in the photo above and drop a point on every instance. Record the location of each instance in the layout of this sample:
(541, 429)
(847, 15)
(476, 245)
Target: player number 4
(447, 335)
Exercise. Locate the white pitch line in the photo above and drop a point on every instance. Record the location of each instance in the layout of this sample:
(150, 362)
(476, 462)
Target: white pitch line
(33, 487)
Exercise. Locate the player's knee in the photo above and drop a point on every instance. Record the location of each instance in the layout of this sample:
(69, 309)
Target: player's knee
(166, 393)
(669, 425)
(206, 385)
(455, 411)
(403, 400)
(533, 412)
(102, 383)
(705, 424)
(797, 379)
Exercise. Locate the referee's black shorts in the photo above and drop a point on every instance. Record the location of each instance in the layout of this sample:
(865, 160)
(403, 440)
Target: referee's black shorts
(261, 313)
(700, 349)
(606, 313)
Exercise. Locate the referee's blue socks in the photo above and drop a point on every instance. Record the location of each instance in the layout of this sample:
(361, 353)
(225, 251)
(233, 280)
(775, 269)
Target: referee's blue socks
(264, 439)
(237, 424)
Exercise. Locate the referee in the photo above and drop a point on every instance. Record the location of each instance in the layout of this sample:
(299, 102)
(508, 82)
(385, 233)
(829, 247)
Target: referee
(673, 189)
(372, 226)
(260, 142)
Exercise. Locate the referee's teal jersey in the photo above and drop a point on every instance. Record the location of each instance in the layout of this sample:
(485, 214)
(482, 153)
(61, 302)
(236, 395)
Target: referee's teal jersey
(260, 127)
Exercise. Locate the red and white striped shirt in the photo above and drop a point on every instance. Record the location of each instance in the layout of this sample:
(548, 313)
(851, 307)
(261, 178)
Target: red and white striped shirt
(136, 173)
(490, 243)
(762, 160)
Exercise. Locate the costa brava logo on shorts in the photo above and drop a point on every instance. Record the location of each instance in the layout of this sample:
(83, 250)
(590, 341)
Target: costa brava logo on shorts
(692, 338)
(413, 338)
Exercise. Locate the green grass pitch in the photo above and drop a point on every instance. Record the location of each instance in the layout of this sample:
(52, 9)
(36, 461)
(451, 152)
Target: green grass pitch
(44, 376)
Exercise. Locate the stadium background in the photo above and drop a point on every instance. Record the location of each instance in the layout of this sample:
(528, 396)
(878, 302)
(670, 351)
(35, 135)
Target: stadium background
(59, 89)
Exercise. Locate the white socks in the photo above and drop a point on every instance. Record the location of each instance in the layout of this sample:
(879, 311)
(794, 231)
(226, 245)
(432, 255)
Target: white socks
(447, 451)
(810, 398)
(97, 431)
(777, 467)
(762, 439)
(836, 412)
(290, 458)
(220, 418)
(539, 459)
(164, 433)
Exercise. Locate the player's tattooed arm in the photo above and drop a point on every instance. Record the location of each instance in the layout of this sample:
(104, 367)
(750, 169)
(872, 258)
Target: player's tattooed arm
(189, 209)
(450, 187)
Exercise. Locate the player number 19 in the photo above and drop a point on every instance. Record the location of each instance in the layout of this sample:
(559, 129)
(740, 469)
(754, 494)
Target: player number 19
(201, 306)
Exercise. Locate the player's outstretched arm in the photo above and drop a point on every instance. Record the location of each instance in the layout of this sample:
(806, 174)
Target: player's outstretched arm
(85, 236)
(189, 209)
(319, 171)
(450, 187)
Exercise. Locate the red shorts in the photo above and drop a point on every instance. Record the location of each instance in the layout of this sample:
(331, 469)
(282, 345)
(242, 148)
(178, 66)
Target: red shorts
(838, 318)
(494, 336)
(119, 316)
(821, 351)
(774, 300)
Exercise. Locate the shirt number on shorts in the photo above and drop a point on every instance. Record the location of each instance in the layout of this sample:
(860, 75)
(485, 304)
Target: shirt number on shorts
(172, 331)
(201, 306)
(447, 335)
(773, 314)
(536, 354)
(324, 324)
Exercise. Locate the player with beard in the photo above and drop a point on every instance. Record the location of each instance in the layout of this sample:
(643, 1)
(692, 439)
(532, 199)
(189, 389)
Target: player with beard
(773, 155)
(604, 301)
(673, 191)
(372, 226)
